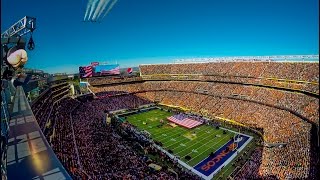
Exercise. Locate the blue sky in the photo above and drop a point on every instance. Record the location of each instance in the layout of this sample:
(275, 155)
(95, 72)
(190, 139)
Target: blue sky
(158, 31)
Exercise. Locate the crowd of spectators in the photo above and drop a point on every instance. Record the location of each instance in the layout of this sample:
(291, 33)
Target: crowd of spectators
(296, 76)
(300, 76)
(43, 105)
(102, 153)
(250, 169)
(120, 88)
(95, 141)
(285, 116)
(306, 106)
(99, 81)
(90, 149)
(61, 137)
(282, 70)
(121, 102)
(279, 126)
(109, 93)
(280, 114)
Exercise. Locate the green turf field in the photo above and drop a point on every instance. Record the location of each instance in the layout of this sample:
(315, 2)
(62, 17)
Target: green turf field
(198, 142)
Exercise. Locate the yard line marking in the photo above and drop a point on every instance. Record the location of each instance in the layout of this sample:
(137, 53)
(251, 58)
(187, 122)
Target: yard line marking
(188, 140)
(162, 131)
(194, 150)
(207, 143)
(167, 131)
(174, 134)
(205, 138)
(208, 149)
(170, 129)
(152, 124)
(199, 142)
(201, 135)
(183, 139)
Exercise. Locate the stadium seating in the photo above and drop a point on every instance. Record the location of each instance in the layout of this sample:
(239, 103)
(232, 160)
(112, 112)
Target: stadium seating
(301, 76)
(43, 105)
(278, 99)
(233, 90)
(87, 148)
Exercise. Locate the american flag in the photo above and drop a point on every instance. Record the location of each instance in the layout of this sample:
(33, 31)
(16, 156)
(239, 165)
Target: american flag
(184, 120)
(85, 71)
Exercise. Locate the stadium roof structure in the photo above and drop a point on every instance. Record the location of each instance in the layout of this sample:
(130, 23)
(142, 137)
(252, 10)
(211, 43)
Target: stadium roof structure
(278, 58)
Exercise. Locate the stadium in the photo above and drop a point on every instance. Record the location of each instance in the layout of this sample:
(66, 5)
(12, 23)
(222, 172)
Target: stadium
(224, 117)
(277, 105)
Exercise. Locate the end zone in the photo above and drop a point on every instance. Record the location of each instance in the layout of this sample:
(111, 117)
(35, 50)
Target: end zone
(223, 156)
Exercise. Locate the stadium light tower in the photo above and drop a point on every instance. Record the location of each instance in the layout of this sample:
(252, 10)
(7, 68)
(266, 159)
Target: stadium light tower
(13, 43)
(13, 57)
(20, 28)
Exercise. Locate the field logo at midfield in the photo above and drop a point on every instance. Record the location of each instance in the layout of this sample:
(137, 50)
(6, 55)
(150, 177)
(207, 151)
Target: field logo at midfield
(212, 163)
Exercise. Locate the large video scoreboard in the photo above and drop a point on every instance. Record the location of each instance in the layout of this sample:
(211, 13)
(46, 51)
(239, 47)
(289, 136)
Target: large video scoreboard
(99, 70)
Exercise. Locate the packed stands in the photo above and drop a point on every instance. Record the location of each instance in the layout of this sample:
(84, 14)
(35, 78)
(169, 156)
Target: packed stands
(302, 76)
(283, 70)
(280, 108)
(306, 106)
(272, 96)
(61, 137)
(105, 81)
(42, 106)
(251, 167)
(90, 149)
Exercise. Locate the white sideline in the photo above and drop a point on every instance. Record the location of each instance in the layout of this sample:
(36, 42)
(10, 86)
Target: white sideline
(181, 162)
(218, 169)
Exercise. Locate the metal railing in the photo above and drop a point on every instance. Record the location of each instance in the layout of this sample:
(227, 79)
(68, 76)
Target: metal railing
(6, 100)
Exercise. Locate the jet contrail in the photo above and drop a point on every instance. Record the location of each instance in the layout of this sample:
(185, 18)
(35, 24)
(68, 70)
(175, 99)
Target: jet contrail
(110, 7)
(87, 10)
(103, 8)
(101, 3)
(92, 7)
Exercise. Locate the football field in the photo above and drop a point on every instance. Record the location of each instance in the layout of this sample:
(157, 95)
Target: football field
(197, 143)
